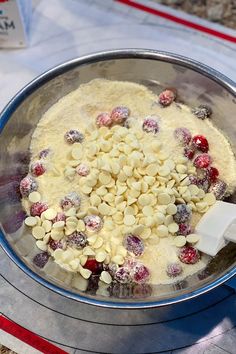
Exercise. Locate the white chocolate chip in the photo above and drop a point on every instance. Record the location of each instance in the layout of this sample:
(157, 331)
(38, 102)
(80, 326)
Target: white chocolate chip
(162, 231)
(180, 241)
(34, 197)
(173, 228)
(50, 214)
(129, 220)
(47, 225)
(38, 232)
(192, 238)
(164, 198)
(171, 209)
(31, 221)
(105, 277)
(100, 256)
(41, 245)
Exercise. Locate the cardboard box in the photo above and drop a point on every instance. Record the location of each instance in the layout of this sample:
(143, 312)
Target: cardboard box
(14, 23)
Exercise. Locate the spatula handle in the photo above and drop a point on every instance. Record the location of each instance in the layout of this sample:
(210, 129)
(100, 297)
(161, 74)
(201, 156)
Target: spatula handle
(230, 234)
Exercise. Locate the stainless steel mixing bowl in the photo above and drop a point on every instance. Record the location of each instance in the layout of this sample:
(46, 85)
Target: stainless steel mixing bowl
(196, 84)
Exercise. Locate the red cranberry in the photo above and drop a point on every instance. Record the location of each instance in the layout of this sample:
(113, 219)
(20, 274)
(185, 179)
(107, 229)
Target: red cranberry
(184, 229)
(174, 269)
(189, 152)
(182, 135)
(44, 153)
(202, 112)
(140, 273)
(134, 244)
(119, 114)
(28, 185)
(60, 217)
(219, 189)
(93, 223)
(94, 266)
(167, 97)
(38, 208)
(202, 161)
(189, 255)
(70, 200)
(213, 174)
(104, 120)
(200, 143)
(150, 125)
(73, 136)
(37, 168)
(122, 275)
(54, 245)
(183, 214)
(77, 239)
(82, 170)
(41, 259)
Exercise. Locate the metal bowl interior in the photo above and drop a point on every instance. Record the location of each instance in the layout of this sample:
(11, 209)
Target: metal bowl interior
(195, 83)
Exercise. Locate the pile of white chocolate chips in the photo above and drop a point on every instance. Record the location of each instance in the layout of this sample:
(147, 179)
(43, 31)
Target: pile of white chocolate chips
(136, 203)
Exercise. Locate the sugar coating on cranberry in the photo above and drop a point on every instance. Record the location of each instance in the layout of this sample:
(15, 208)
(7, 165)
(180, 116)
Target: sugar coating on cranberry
(104, 120)
(44, 153)
(70, 200)
(73, 136)
(134, 244)
(38, 208)
(41, 259)
(82, 170)
(28, 185)
(94, 266)
(184, 229)
(213, 174)
(120, 114)
(202, 161)
(200, 143)
(167, 97)
(182, 135)
(189, 152)
(93, 223)
(202, 112)
(54, 245)
(60, 217)
(122, 275)
(219, 188)
(189, 255)
(204, 183)
(150, 125)
(140, 273)
(37, 168)
(174, 269)
(183, 214)
(77, 239)
(193, 179)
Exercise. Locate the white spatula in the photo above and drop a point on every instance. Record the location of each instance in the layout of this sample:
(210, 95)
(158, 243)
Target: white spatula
(216, 228)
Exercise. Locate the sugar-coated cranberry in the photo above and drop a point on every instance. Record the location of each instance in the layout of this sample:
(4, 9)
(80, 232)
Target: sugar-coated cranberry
(189, 255)
(122, 275)
(44, 153)
(73, 136)
(189, 152)
(140, 273)
(183, 214)
(94, 266)
(119, 114)
(184, 229)
(219, 188)
(82, 170)
(38, 208)
(77, 239)
(70, 200)
(28, 185)
(202, 112)
(134, 244)
(150, 125)
(93, 223)
(200, 143)
(193, 179)
(202, 161)
(167, 97)
(174, 269)
(204, 183)
(60, 217)
(213, 174)
(41, 259)
(182, 135)
(54, 245)
(104, 120)
(37, 168)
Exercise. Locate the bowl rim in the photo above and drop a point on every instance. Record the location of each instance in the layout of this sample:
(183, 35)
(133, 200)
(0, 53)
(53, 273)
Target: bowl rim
(40, 80)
